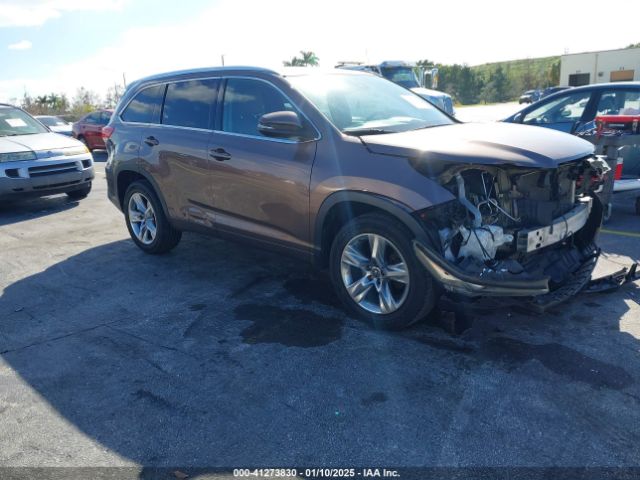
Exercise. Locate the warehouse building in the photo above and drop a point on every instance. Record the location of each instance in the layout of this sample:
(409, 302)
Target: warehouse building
(600, 67)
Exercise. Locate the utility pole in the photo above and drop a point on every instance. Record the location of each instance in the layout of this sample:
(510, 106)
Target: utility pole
(124, 80)
(222, 58)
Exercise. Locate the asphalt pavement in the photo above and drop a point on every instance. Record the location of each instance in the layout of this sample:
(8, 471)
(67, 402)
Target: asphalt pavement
(219, 355)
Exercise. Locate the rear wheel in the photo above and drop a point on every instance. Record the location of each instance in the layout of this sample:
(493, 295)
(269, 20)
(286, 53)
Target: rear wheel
(376, 274)
(147, 224)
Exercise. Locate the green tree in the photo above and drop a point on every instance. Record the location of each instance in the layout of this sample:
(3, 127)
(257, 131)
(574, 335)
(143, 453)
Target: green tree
(113, 96)
(553, 74)
(489, 93)
(307, 59)
(84, 101)
(51, 104)
(501, 84)
(633, 45)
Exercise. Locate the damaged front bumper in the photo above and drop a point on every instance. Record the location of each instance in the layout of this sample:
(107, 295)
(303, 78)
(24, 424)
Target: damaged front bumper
(563, 227)
(455, 280)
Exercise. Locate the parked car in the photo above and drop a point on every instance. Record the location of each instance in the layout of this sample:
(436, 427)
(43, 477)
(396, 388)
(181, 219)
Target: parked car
(530, 96)
(89, 129)
(549, 90)
(574, 111)
(35, 161)
(403, 74)
(353, 172)
(55, 124)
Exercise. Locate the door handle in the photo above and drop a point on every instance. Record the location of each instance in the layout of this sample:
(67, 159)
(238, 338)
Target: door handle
(220, 154)
(151, 141)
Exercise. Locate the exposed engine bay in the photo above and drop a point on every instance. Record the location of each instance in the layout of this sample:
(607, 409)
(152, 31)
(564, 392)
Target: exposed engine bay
(521, 223)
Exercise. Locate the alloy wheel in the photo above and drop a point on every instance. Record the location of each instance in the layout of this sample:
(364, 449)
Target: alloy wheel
(142, 218)
(374, 273)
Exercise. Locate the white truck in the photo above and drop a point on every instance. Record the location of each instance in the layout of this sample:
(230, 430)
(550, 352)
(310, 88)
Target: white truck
(404, 74)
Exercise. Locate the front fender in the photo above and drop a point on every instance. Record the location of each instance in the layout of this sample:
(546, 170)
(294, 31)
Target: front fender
(380, 202)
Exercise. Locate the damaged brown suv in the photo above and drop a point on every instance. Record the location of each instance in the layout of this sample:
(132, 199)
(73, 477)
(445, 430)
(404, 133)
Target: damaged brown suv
(398, 200)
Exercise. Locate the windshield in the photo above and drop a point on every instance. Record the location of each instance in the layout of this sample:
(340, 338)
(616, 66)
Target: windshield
(52, 121)
(16, 122)
(367, 104)
(401, 75)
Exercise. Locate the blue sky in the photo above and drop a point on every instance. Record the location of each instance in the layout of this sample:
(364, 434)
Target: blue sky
(78, 34)
(69, 43)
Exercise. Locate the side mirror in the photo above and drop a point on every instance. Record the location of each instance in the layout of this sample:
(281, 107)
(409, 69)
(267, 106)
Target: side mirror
(283, 124)
(518, 118)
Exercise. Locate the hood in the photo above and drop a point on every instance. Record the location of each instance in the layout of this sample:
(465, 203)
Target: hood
(61, 128)
(482, 143)
(429, 93)
(36, 142)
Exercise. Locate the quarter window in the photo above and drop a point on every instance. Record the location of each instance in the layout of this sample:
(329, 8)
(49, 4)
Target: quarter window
(190, 103)
(246, 100)
(144, 106)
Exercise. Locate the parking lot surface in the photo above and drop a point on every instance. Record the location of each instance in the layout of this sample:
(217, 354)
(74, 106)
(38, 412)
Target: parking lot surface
(219, 355)
(487, 113)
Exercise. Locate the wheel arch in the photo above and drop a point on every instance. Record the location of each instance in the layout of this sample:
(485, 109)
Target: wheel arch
(126, 177)
(340, 207)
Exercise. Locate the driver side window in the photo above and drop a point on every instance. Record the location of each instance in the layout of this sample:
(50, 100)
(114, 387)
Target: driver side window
(565, 109)
(245, 101)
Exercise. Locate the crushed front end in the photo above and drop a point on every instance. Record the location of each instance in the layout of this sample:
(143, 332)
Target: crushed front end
(515, 231)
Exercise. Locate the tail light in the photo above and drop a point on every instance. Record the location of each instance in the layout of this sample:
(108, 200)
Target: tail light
(619, 165)
(107, 131)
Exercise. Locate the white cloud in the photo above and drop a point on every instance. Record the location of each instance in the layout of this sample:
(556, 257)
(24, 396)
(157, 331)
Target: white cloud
(22, 45)
(255, 32)
(28, 13)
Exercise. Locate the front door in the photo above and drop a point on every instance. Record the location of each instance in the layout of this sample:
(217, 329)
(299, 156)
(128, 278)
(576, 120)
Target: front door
(260, 185)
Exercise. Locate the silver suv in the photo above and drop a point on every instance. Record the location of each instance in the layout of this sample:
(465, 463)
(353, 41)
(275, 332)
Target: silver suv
(36, 161)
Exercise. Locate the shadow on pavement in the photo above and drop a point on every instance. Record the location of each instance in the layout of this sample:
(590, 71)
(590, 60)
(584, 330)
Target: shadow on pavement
(217, 355)
(21, 210)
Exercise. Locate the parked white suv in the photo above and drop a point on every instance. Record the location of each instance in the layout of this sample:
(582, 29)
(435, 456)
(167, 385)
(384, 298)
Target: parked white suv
(36, 161)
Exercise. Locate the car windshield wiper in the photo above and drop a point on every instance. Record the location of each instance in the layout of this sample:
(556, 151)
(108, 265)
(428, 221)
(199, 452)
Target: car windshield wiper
(356, 132)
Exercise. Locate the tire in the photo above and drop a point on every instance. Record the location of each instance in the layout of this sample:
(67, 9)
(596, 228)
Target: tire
(413, 300)
(80, 193)
(137, 200)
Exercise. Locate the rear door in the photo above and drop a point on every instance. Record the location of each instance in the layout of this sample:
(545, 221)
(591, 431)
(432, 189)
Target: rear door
(174, 151)
(91, 130)
(260, 184)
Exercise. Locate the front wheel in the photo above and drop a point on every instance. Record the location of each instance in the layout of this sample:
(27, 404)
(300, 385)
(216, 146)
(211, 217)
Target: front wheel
(376, 274)
(80, 193)
(147, 224)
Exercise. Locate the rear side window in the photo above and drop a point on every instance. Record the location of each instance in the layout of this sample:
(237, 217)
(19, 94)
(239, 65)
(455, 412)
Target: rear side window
(190, 103)
(92, 118)
(619, 102)
(245, 101)
(144, 106)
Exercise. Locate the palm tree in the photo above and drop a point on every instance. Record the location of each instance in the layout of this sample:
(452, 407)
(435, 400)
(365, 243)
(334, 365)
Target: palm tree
(309, 59)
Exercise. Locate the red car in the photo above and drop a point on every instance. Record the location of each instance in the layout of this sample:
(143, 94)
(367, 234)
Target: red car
(89, 129)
